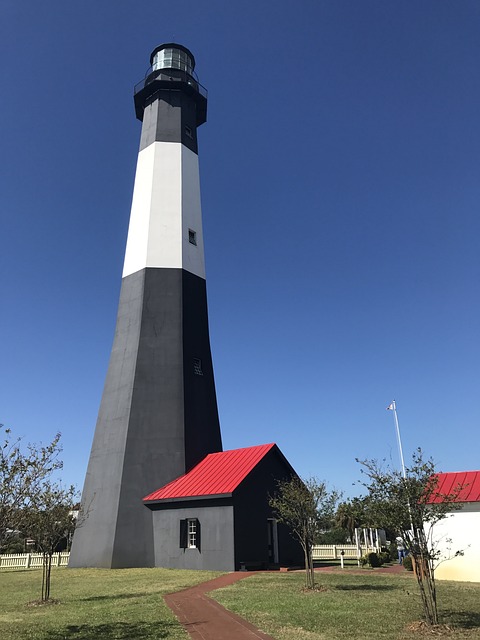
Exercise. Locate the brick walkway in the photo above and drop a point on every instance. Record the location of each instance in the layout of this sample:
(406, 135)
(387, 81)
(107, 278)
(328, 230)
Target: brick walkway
(205, 619)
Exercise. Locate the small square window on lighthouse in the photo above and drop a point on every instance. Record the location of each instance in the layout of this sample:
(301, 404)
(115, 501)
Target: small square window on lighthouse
(192, 237)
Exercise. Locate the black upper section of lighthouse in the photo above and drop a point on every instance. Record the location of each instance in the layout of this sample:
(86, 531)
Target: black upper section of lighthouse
(172, 71)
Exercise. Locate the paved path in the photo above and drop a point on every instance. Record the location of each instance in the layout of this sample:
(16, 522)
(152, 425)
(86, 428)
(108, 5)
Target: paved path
(205, 619)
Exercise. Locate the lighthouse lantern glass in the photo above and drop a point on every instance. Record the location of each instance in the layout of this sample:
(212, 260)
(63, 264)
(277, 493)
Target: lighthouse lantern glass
(172, 59)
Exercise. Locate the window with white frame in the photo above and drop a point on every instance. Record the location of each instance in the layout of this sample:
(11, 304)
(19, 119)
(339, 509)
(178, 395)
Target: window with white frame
(192, 533)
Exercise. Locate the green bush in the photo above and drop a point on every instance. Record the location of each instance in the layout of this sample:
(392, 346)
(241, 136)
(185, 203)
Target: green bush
(333, 536)
(393, 551)
(364, 560)
(373, 559)
(14, 546)
(407, 563)
(384, 557)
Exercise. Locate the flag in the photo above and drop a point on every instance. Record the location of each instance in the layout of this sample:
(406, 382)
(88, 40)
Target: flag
(391, 407)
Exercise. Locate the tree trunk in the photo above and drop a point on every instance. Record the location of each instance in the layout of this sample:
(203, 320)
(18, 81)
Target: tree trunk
(309, 573)
(49, 573)
(44, 576)
(309, 576)
(310, 568)
(46, 573)
(426, 583)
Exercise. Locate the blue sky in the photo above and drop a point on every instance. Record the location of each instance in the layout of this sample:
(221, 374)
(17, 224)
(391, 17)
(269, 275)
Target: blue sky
(340, 191)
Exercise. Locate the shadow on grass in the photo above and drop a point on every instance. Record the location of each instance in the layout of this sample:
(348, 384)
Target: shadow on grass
(365, 587)
(113, 631)
(117, 596)
(464, 619)
(328, 564)
(6, 570)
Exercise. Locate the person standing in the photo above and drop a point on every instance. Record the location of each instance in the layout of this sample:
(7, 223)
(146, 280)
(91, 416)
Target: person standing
(400, 549)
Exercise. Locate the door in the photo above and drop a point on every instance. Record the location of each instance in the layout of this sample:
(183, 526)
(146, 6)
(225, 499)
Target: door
(272, 541)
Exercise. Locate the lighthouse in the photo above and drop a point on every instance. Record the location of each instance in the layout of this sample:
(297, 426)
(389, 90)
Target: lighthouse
(158, 414)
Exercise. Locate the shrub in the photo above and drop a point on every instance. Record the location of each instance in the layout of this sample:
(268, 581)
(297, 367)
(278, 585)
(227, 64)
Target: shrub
(364, 560)
(384, 557)
(393, 551)
(333, 536)
(373, 559)
(407, 563)
(14, 546)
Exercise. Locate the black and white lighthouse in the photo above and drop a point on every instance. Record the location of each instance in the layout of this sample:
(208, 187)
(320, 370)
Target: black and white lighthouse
(158, 414)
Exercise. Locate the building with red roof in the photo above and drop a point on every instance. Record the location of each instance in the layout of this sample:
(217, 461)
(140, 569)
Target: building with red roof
(459, 530)
(469, 481)
(217, 516)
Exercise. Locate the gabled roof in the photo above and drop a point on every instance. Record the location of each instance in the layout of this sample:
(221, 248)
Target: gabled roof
(469, 480)
(217, 474)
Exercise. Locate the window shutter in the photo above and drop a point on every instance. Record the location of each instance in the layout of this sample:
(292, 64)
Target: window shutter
(183, 534)
(198, 535)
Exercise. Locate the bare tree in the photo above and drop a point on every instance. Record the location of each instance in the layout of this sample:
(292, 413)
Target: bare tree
(22, 470)
(49, 519)
(306, 507)
(411, 506)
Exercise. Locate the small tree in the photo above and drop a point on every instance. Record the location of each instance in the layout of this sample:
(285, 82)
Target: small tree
(48, 520)
(306, 507)
(411, 506)
(21, 473)
(351, 515)
(335, 535)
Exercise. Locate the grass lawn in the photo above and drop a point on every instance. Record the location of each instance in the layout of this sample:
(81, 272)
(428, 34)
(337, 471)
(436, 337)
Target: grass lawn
(125, 604)
(349, 606)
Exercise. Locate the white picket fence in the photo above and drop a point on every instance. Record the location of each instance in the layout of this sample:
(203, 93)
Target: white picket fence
(333, 551)
(35, 560)
(31, 560)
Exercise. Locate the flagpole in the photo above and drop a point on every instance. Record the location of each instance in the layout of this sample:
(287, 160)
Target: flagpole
(393, 407)
(397, 428)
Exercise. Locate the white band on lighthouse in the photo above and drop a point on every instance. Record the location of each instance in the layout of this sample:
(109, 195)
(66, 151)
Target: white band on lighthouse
(166, 211)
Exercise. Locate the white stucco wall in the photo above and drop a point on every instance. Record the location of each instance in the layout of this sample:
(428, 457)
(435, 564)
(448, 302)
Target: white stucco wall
(462, 527)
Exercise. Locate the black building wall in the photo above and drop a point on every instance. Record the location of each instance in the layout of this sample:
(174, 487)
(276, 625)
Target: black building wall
(252, 511)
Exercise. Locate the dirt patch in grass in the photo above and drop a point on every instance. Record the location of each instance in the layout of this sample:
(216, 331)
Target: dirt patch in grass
(43, 603)
(421, 627)
(318, 588)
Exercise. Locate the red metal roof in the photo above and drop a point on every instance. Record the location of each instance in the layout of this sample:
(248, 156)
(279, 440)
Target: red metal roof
(469, 480)
(217, 474)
